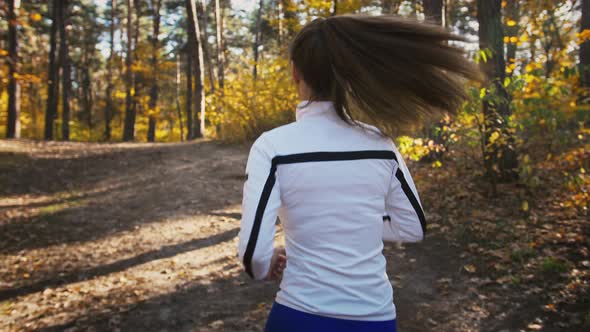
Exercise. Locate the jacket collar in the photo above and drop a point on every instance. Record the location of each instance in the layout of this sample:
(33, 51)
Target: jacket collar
(306, 108)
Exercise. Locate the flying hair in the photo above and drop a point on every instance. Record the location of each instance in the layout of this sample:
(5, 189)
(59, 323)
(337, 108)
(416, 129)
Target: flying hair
(389, 71)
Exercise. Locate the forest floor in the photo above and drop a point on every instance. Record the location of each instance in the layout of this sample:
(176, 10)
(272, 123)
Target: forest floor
(142, 237)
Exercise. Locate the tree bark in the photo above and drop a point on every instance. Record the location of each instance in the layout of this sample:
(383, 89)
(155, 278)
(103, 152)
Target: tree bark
(189, 86)
(220, 45)
(204, 14)
(386, 7)
(334, 7)
(177, 89)
(53, 75)
(195, 31)
(108, 112)
(434, 131)
(280, 21)
(512, 12)
(151, 134)
(585, 49)
(413, 8)
(86, 85)
(13, 124)
(64, 56)
(289, 18)
(257, 37)
(433, 11)
(129, 126)
(136, 77)
(499, 157)
(389, 7)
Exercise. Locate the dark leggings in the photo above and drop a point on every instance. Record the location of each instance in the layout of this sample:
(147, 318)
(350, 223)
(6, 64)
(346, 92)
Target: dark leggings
(285, 319)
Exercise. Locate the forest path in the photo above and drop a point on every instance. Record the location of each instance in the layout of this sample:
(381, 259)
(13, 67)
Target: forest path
(142, 237)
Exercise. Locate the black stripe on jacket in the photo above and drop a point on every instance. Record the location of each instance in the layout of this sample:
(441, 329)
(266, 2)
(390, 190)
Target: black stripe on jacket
(320, 157)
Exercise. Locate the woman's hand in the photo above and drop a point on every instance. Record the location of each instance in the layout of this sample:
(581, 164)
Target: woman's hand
(277, 264)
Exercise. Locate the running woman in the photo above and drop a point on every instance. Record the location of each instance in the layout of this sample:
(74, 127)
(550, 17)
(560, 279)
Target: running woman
(339, 186)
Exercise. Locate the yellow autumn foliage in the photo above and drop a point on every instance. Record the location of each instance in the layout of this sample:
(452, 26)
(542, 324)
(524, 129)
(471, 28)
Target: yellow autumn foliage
(247, 108)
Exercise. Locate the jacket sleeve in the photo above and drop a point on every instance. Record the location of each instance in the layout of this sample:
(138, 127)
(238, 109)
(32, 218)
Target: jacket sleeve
(260, 203)
(404, 220)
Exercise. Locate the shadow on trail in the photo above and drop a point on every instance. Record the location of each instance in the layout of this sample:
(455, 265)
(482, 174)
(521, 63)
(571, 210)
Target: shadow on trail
(233, 215)
(229, 303)
(131, 187)
(236, 303)
(417, 271)
(27, 173)
(86, 274)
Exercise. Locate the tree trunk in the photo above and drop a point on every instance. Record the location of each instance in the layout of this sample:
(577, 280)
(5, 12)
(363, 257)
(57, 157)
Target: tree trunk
(195, 31)
(189, 86)
(151, 134)
(386, 7)
(433, 11)
(448, 9)
(129, 128)
(499, 156)
(53, 75)
(513, 13)
(413, 8)
(257, 38)
(136, 77)
(290, 18)
(86, 86)
(38, 107)
(177, 89)
(334, 7)
(434, 131)
(204, 14)
(220, 45)
(108, 112)
(64, 56)
(13, 125)
(220, 41)
(280, 21)
(585, 49)
(389, 7)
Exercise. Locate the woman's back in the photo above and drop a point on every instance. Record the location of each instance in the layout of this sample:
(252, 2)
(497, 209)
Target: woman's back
(330, 184)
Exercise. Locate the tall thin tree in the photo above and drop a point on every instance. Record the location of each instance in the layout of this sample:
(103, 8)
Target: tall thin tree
(390, 6)
(220, 41)
(136, 76)
(434, 131)
(220, 57)
(195, 31)
(108, 111)
(413, 8)
(202, 9)
(386, 6)
(177, 91)
(257, 38)
(129, 126)
(512, 11)
(151, 134)
(434, 11)
(64, 59)
(190, 49)
(585, 49)
(280, 20)
(53, 73)
(500, 157)
(13, 125)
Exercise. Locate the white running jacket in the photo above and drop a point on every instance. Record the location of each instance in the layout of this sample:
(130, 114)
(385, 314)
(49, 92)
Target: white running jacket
(340, 191)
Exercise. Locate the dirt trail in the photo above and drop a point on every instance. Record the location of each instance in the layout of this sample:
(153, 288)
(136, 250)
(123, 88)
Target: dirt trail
(142, 237)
